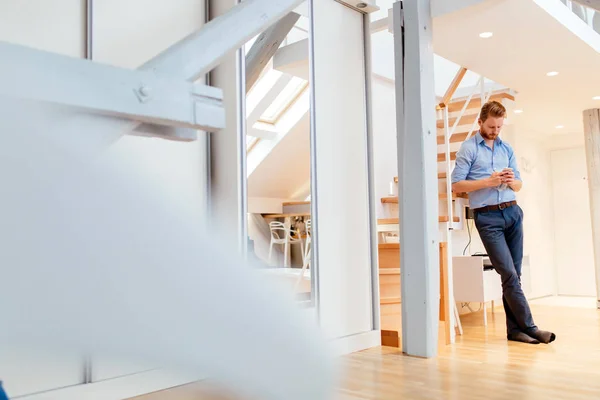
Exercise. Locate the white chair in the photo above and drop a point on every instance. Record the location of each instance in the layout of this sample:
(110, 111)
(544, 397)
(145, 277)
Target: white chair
(307, 254)
(282, 234)
(307, 247)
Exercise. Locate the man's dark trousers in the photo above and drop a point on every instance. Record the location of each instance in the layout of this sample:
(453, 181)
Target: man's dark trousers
(501, 232)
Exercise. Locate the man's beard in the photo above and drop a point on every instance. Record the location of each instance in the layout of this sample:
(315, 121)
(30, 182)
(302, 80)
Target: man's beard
(487, 135)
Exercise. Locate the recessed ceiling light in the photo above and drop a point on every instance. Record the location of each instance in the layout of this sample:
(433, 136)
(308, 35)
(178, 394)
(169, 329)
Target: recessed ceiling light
(486, 35)
(596, 98)
(559, 126)
(518, 111)
(552, 73)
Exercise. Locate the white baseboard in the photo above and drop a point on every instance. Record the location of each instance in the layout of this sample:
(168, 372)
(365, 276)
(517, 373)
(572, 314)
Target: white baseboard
(119, 388)
(156, 380)
(358, 342)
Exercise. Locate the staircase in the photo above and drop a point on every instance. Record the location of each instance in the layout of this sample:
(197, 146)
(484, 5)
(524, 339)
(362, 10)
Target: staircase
(464, 113)
(461, 114)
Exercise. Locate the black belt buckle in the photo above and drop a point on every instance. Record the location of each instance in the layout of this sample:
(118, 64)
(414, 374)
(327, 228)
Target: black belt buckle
(501, 206)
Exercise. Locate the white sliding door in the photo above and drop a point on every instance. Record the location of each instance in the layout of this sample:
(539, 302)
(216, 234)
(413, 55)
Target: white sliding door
(341, 196)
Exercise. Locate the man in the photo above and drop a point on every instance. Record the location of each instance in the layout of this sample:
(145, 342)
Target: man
(486, 169)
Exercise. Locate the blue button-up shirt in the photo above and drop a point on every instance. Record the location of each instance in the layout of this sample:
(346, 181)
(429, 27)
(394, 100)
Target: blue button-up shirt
(476, 160)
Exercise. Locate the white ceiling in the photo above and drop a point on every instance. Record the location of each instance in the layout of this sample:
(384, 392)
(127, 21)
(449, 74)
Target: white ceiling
(531, 38)
(287, 167)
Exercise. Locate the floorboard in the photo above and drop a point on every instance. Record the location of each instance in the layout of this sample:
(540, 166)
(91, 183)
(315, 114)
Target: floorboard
(481, 365)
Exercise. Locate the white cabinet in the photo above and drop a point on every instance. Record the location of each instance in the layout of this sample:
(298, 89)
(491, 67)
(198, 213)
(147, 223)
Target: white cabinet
(473, 284)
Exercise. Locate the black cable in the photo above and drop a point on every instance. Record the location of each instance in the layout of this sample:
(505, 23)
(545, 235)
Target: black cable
(468, 244)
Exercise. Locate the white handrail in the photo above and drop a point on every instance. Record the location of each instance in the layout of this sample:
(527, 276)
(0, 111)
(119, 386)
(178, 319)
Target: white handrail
(483, 101)
(463, 110)
(449, 205)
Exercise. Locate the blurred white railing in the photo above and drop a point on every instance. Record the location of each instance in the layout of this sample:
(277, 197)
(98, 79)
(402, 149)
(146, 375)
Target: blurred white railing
(587, 15)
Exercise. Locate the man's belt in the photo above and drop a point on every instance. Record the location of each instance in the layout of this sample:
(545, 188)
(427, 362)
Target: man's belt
(496, 207)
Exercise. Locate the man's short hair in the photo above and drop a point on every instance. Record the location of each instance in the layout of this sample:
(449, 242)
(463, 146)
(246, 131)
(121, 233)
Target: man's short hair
(492, 109)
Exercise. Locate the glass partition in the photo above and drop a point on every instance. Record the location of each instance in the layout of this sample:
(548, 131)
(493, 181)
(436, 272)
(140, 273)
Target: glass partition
(278, 152)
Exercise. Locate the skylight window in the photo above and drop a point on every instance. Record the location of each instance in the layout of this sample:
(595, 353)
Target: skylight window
(251, 141)
(284, 100)
(261, 88)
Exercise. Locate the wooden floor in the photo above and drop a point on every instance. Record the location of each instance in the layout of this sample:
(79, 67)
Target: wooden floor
(481, 365)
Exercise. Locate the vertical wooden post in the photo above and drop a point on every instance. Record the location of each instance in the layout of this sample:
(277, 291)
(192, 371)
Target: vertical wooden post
(446, 310)
(417, 177)
(591, 126)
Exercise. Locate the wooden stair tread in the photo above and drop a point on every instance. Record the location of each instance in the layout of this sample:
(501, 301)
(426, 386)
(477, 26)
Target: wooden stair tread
(464, 120)
(388, 246)
(295, 203)
(457, 105)
(456, 138)
(394, 199)
(390, 300)
(441, 175)
(445, 218)
(442, 156)
(454, 195)
(389, 271)
(391, 221)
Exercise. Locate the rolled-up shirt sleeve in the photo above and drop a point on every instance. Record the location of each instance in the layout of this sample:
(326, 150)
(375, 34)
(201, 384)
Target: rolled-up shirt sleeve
(464, 159)
(512, 163)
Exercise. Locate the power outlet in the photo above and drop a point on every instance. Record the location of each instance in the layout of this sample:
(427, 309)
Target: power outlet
(469, 213)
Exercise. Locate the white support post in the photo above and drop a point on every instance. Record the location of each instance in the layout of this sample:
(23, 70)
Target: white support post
(417, 174)
(591, 126)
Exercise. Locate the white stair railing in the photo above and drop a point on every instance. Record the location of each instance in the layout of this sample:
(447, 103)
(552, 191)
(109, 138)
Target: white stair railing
(448, 132)
(484, 99)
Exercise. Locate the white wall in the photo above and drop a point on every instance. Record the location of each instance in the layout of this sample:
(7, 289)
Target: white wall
(344, 263)
(385, 144)
(572, 221)
(126, 33)
(57, 26)
(33, 23)
(535, 198)
(444, 70)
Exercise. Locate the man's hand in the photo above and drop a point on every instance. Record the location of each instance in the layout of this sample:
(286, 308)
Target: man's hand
(495, 180)
(508, 177)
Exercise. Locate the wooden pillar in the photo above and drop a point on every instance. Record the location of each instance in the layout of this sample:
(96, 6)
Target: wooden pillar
(591, 126)
(417, 174)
